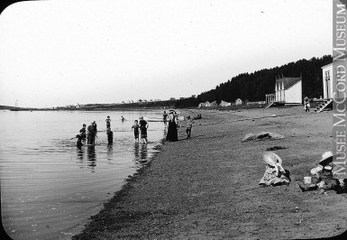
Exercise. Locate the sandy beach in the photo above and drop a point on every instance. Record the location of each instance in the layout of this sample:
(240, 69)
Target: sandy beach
(207, 187)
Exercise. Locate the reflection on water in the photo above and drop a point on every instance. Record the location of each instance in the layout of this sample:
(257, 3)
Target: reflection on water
(143, 152)
(109, 152)
(91, 157)
(140, 152)
(136, 151)
(80, 153)
(49, 186)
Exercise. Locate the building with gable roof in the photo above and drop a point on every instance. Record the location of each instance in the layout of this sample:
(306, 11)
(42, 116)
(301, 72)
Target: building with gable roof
(288, 90)
(238, 102)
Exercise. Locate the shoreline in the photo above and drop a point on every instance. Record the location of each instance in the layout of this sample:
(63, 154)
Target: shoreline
(207, 186)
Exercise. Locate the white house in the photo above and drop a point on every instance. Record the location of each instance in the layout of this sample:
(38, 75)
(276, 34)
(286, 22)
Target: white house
(207, 104)
(238, 102)
(327, 72)
(288, 90)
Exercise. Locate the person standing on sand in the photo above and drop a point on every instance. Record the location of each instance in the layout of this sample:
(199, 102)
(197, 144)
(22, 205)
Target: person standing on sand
(143, 128)
(165, 117)
(189, 126)
(307, 104)
(136, 127)
(172, 134)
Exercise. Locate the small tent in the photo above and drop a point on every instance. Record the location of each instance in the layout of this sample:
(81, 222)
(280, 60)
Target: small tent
(224, 104)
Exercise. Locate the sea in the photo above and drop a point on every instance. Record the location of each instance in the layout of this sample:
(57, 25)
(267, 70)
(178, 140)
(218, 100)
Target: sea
(49, 186)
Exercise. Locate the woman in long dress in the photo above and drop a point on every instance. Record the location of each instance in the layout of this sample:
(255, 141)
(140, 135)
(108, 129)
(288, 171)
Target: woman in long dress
(172, 134)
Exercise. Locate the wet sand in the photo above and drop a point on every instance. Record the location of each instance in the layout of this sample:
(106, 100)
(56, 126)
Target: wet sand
(207, 187)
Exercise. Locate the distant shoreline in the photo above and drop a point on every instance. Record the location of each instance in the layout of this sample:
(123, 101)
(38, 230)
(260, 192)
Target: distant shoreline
(84, 109)
(134, 107)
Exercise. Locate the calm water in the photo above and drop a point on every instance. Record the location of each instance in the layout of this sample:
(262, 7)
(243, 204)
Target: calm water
(49, 187)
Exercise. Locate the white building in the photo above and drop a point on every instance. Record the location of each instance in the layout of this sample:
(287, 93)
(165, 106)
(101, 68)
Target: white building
(207, 104)
(214, 104)
(288, 90)
(238, 102)
(327, 72)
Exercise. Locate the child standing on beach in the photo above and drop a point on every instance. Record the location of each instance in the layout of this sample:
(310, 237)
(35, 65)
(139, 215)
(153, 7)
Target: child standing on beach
(136, 127)
(108, 122)
(307, 104)
(165, 118)
(189, 126)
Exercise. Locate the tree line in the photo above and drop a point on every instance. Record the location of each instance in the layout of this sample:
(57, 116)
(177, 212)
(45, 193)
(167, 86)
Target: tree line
(254, 86)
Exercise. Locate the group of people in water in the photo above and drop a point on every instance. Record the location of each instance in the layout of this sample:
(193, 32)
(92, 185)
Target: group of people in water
(84, 136)
(88, 134)
(140, 127)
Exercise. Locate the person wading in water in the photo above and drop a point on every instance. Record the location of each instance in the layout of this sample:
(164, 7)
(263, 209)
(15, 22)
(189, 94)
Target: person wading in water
(92, 131)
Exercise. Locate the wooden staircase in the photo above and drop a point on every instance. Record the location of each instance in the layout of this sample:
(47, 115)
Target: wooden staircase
(324, 106)
(270, 104)
(275, 104)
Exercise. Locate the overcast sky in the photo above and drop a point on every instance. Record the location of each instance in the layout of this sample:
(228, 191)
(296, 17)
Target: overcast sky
(60, 52)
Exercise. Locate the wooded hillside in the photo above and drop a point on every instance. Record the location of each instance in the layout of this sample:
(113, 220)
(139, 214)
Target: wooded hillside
(254, 86)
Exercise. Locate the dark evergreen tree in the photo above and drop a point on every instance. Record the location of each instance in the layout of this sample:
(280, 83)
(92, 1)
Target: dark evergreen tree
(254, 86)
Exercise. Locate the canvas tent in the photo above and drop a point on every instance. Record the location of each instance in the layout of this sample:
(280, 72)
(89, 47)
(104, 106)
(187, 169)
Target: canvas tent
(224, 104)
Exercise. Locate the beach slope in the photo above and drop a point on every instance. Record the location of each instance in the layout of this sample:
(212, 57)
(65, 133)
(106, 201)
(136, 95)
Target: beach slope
(207, 187)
